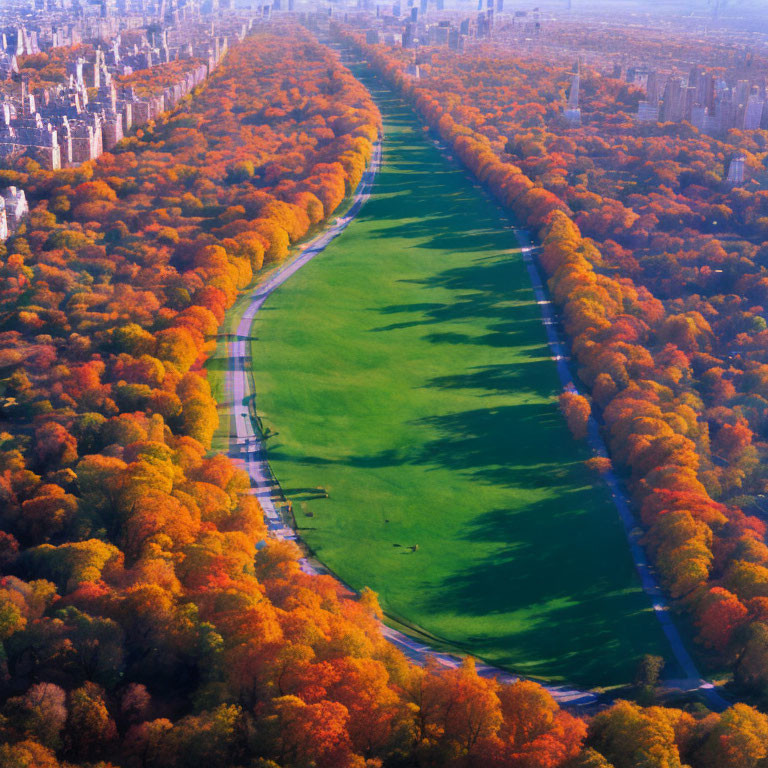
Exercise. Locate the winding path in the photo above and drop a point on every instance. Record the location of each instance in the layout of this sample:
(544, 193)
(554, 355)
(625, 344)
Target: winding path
(246, 445)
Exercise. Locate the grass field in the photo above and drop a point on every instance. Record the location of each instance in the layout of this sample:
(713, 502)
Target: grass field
(406, 372)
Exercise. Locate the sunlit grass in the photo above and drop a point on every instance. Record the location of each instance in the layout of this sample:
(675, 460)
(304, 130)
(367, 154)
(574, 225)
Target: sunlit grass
(406, 372)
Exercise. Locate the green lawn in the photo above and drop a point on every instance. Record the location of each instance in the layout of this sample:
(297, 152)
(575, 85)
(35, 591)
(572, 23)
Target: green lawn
(406, 372)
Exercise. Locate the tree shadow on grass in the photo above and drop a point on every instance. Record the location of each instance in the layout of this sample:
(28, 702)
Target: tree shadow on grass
(487, 379)
(217, 363)
(597, 641)
(548, 529)
(510, 446)
(506, 445)
(573, 598)
(581, 629)
(448, 230)
(497, 338)
(389, 458)
(511, 316)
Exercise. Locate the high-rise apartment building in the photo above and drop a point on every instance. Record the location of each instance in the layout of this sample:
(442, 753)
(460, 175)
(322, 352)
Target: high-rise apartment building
(736, 171)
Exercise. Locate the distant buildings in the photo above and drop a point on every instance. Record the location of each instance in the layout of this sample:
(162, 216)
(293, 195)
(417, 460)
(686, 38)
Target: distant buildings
(66, 125)
(419, 23)
(9, 65)
(412, 70)
(736, 171)
(18, 41)
(753, 113)
(647, 112)
(709, 103)
(13, 209)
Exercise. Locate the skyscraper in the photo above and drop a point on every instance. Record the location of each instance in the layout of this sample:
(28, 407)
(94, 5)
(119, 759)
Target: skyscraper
(674, 101)
(652, 89)
(573, 95)
(736, 171)
(572, 112)
(753, 112)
